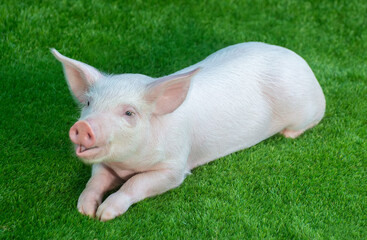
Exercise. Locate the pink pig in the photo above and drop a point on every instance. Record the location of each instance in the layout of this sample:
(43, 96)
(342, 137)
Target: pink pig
(150, 132)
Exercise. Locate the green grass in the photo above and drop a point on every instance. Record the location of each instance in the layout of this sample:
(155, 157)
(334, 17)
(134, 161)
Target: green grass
(314, 187)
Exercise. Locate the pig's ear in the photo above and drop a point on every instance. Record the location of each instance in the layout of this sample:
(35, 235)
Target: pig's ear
(168, 93)
(79, 76)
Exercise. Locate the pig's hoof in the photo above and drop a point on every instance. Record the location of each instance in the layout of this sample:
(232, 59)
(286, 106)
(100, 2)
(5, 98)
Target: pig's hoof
(291, 133)
(115, 205)
(88, 203)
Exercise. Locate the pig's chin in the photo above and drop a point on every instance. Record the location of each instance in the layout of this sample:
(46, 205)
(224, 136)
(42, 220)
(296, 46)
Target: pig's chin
(90, 155)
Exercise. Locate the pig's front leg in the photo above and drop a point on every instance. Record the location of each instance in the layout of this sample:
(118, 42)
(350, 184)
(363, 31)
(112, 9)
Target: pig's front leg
(137, 188)
(102, 180)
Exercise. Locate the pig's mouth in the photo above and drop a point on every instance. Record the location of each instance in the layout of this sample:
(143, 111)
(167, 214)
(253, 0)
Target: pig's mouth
(84, 152)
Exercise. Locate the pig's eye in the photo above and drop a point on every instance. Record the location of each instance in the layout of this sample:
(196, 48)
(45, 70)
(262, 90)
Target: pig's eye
(88, 103)
(128, 113)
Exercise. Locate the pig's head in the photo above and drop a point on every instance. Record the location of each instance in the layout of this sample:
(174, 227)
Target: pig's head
(117, 110)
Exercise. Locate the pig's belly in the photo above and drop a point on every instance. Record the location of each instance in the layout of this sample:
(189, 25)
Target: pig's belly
(210, 147)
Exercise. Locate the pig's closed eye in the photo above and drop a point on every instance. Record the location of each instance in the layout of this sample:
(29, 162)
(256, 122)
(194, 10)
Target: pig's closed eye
(129, 113)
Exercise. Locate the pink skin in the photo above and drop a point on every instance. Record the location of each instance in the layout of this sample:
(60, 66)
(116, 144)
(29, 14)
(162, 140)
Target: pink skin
(91, 135)
(291, 133)
(288, 133)
(83, 136)
(153, 148)
(101, 181)
(90, 142)
(136, 188)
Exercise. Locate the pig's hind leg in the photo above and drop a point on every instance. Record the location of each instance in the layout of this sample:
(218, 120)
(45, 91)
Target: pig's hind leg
(304, 119)
(289, 133)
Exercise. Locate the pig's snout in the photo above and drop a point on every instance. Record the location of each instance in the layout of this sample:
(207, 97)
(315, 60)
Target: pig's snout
(81, 133)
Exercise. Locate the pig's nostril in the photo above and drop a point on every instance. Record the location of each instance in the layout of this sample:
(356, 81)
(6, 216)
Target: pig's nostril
(89, 136)
(76, 132)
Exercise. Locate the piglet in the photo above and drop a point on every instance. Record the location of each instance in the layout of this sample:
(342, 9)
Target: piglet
(145, 134)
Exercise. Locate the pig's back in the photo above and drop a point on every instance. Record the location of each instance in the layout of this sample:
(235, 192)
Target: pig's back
(244, 94)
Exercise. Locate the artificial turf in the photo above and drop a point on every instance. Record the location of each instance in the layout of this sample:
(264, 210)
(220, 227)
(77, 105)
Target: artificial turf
(313, 187)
